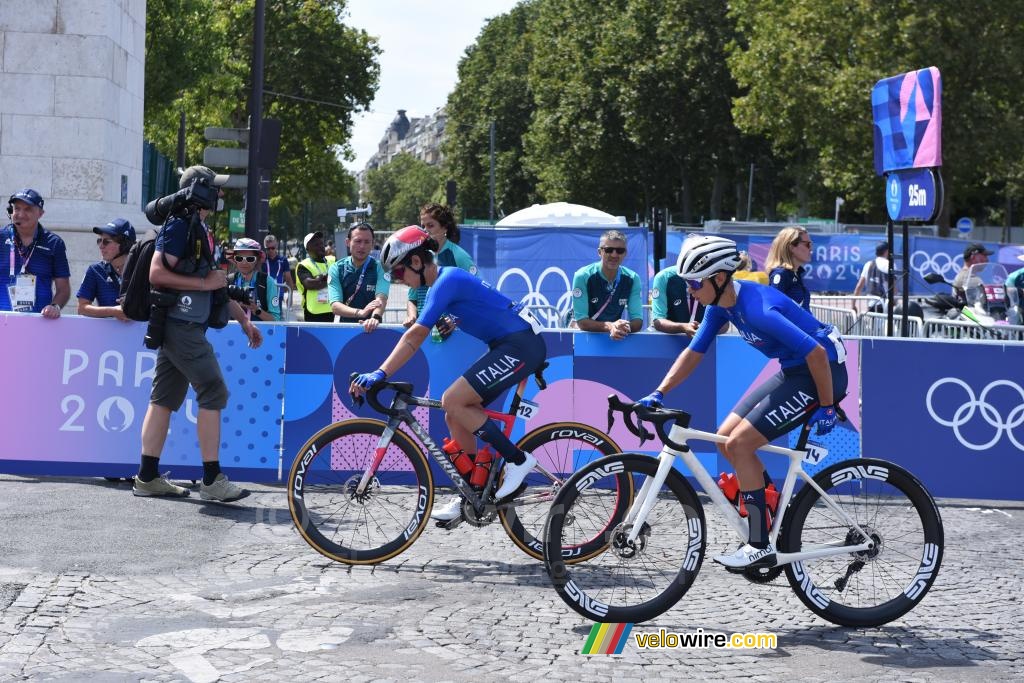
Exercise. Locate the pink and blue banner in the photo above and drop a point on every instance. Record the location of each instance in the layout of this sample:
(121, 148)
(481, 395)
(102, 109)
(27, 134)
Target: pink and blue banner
(907, 113)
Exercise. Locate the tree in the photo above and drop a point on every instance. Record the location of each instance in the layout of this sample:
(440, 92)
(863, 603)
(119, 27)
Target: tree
(399, 188)
(492, 87)
(577, 146)
(318, 73)
(807, 68)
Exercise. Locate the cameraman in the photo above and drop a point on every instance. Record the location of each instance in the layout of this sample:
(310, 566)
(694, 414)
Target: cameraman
(183, 263)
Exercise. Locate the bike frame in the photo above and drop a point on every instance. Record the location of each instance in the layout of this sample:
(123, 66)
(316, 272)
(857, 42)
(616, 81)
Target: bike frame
(401, 404)
(647, 496)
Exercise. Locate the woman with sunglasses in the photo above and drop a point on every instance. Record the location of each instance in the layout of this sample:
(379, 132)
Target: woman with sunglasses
(789, 253)
(97, 296)
(516, 350)
(264, 294)
(812, 375)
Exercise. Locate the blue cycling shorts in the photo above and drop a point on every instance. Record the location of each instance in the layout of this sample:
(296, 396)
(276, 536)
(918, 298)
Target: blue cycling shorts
(783, 402)
(509, 360)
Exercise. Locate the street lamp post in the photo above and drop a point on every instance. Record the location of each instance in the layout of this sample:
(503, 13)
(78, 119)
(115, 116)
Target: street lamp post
(839, 202)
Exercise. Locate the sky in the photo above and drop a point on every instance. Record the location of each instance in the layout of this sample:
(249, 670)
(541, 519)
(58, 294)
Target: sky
(421, 43)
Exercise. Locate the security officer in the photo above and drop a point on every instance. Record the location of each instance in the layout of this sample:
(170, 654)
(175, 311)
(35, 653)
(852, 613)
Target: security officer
(311, 280)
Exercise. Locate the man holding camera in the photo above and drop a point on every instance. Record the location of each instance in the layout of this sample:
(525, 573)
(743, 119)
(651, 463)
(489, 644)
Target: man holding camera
(184, 270)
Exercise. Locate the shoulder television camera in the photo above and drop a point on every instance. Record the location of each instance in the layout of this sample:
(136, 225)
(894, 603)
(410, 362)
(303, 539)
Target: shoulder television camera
(199, 194)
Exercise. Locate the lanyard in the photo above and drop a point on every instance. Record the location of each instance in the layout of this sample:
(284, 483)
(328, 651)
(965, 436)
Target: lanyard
(24, 264)
(359, 282)
(611, 295)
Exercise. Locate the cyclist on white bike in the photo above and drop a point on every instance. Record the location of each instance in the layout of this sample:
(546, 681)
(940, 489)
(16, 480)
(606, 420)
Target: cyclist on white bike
(812, 375)
(516, 349)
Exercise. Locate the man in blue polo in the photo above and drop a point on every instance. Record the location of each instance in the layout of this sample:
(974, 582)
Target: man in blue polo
(604, 291)
(34, 271)
(357, 284)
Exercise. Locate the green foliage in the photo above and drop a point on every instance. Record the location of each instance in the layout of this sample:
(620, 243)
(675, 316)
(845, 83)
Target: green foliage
(492, 87)
(398, 190)
(198, 55)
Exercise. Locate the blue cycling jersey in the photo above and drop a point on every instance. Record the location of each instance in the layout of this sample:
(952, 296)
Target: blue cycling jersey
(483, 312)
(772, 323)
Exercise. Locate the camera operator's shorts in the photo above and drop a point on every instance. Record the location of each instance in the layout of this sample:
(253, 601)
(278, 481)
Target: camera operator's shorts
(186, 357)
(509, 360)
(784, 401)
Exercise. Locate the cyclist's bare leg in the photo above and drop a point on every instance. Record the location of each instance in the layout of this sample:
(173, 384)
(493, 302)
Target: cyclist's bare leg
(463, 412)
(464, 405)
(726, 429)
(740, 450)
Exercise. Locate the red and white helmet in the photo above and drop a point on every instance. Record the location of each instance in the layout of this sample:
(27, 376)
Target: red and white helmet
(402, 244)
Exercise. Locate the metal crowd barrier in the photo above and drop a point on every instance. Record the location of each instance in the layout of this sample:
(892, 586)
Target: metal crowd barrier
(874, 325)
(965, 329)
(843, 319)
(860, 304)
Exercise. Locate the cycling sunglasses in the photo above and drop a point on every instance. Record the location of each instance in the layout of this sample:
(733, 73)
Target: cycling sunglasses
(614, 250)
(694, 284)
(397, 272)
(104, 241)
(247, 259)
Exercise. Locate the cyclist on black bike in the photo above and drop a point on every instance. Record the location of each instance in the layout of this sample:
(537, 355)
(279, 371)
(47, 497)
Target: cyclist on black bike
(813, 373)
(465, 301)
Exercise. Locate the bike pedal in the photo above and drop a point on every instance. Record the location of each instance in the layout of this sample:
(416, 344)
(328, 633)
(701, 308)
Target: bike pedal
(450, 524)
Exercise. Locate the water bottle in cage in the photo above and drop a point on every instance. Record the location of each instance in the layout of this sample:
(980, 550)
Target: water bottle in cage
(462, 462)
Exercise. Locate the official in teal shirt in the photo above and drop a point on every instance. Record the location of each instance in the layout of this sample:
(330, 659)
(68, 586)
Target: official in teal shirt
(357, 285)
(605, 291)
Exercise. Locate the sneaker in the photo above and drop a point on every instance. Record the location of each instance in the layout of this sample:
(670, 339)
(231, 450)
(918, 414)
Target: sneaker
(748, 556)
(222, 490)
(514, 476)
(446, 513)
(158, 487)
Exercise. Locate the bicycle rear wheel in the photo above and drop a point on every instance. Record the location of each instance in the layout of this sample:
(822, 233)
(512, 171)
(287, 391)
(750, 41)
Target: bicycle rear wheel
(561, 448)
(873, 587)
(351, 527)
(629, 582)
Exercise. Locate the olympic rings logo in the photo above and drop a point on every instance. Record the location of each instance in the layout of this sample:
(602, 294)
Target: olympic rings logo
(988, 412)
(551, 315)
(939, 262)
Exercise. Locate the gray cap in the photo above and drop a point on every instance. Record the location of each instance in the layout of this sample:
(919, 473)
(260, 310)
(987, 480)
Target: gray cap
(193, 172)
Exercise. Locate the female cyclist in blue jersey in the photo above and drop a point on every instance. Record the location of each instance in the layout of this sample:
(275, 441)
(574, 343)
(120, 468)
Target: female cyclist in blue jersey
(811, 379)
(516, 349)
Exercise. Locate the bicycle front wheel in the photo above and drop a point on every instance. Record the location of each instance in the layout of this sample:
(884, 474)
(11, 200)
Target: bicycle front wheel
(561, 448)
(872, 587)
(359, 527)
(633, 581)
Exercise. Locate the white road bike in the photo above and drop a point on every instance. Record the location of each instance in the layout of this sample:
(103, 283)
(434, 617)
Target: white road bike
(860, 542)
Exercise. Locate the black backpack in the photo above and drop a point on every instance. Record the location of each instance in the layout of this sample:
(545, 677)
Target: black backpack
(135, 288)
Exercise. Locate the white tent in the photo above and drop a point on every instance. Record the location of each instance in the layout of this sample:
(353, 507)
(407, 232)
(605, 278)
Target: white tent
(561, 215)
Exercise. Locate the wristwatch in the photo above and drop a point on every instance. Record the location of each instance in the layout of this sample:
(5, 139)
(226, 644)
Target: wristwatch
(258, 312)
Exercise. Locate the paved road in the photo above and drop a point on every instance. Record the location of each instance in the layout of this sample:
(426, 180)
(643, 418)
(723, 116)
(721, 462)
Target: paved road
(98, 585)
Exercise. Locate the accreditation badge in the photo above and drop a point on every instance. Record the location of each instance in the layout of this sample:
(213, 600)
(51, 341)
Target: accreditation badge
(23, 293)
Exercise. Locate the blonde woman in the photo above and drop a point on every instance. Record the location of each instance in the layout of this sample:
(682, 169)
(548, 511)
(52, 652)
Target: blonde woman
(790, 251)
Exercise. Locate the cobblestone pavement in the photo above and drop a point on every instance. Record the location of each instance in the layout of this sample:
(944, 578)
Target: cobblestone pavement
(463, 605)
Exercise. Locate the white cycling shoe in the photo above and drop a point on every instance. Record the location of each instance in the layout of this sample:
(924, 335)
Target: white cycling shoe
(748, 556)
(514, 476)
(446, 513)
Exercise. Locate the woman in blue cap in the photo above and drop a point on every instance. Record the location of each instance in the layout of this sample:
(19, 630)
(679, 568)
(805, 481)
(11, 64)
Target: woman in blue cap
(98, 293)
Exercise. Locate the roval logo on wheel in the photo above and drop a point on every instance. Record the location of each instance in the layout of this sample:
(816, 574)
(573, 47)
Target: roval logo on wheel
(975, 407)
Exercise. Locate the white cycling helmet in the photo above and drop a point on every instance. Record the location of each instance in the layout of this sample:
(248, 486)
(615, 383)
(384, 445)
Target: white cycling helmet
(704, 255)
